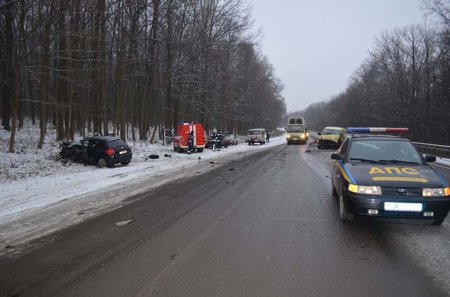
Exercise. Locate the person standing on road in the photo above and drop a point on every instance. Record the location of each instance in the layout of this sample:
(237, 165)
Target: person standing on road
(268, 135)
(219, 137)
(191, 142)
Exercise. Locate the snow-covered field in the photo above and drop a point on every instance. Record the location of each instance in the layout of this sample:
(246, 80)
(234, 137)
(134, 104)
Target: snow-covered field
(39, 194)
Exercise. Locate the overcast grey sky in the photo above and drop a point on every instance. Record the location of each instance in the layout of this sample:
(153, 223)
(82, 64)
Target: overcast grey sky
(316, 45)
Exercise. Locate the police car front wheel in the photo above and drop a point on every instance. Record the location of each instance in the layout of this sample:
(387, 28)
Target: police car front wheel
(438, 220)
(333, 190)
(344, 215)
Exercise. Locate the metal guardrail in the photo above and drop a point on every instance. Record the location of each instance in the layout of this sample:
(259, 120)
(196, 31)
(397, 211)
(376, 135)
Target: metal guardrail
(437, 150)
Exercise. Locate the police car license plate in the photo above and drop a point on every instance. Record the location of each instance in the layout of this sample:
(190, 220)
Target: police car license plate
(400, 206)
(122, 152)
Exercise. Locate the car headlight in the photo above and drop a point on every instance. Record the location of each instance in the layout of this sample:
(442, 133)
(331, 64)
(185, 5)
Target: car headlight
(302, 135)
(369, 190)
(435, 192)
(288, 136)
(307, 134)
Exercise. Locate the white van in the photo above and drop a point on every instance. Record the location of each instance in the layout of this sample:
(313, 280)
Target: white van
(296, 120)
(296, 133)
(257, 135)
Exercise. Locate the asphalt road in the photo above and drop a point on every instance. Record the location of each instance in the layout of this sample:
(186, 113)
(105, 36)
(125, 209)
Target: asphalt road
(263, 226)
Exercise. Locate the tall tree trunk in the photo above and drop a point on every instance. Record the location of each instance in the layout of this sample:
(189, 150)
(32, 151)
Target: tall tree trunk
(44, 81)
(7, 63)
(61, 88)
(12, 140)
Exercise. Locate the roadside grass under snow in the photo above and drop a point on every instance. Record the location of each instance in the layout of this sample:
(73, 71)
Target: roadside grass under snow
(29, 161)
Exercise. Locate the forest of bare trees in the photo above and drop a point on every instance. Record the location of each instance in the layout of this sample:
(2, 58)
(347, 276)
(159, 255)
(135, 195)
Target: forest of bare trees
(112, 66)
(404, 82)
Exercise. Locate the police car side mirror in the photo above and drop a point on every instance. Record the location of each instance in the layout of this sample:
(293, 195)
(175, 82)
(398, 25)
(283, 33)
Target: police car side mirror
(429, 158)
(336, 156)
(319, 133)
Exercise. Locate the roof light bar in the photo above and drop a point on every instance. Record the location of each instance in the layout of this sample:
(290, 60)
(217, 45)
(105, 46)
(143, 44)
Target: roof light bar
(377, 130)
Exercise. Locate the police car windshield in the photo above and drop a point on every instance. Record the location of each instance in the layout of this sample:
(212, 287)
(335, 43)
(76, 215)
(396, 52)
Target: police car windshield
(295, 128)
(384, 151)
(331, 132)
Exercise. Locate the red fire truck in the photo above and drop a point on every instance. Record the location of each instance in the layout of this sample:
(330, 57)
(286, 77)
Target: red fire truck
(180, 141)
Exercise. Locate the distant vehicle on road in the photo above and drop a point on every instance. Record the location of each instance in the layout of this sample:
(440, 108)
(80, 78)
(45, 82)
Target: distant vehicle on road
(296, 120)
(296, 133)
(385, 176)
(256, 135)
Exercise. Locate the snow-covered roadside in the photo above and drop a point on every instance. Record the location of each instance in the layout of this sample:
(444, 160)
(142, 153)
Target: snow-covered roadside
(60, 195)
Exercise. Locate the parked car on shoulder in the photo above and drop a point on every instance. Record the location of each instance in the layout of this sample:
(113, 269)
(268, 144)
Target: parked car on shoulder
(256, 135)
(229, 139)
(216, 141)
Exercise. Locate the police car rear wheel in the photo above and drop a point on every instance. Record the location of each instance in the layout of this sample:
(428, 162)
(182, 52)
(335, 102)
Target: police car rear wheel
(344, 215)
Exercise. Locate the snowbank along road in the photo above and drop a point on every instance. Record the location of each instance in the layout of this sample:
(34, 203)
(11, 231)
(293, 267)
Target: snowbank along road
(64, 195)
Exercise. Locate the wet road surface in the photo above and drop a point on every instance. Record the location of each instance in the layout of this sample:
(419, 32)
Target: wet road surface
(263, 226)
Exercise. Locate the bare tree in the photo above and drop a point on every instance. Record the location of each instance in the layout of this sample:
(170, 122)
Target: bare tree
(135, 65)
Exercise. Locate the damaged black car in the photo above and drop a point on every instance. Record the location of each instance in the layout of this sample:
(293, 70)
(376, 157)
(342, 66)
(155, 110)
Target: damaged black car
(103, 151)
